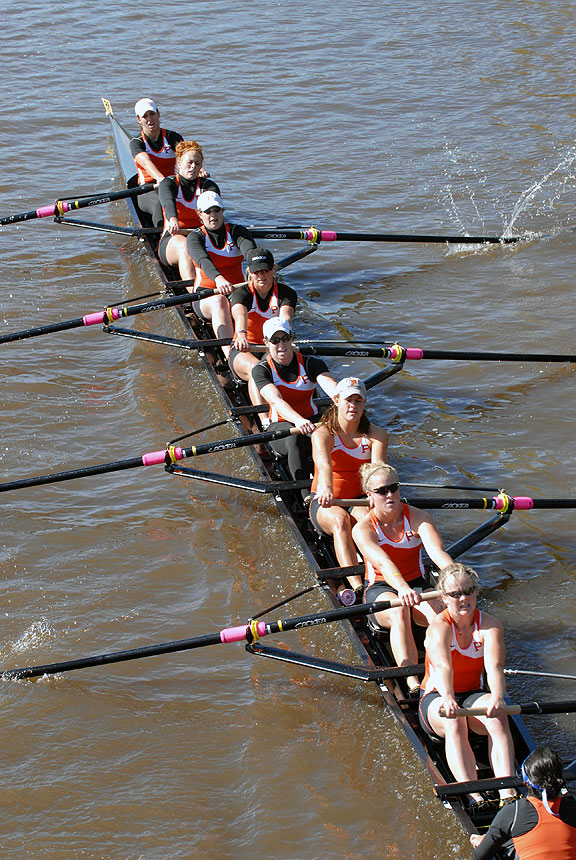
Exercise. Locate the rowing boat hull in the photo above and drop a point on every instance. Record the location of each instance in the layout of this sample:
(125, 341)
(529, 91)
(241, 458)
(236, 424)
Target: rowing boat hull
(373, 650)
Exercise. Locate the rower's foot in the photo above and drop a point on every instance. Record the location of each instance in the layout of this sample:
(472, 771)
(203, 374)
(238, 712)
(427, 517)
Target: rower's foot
(511, 798)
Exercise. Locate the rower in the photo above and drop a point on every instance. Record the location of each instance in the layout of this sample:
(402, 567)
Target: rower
(261, 299)
(154, 153)
(461, 644)
(287, 381)
(179, 198)
(344, 439)
(217, 250)
(542, 825)
(391, 540)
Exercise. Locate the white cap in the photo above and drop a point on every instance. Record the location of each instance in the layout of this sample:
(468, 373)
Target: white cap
(351, 385)
(274, 325)
(207, 200)
(144, 105)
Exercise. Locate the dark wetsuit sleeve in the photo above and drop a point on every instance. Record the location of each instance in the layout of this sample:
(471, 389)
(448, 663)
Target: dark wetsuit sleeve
(261, 374)
(314, 367)
(515, 819)
(242, 238)
(241, 296)
(287, 296)
(197, 250)
(173, 138)
(167, 191)
(137, 146)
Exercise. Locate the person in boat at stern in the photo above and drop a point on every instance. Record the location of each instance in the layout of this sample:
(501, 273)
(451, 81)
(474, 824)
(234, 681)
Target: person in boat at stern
(461, 644)
(344, 439)
(391, 540)
(542, 825)
(252, 304)
(154, 153)
(218, 250)
(287, 381)
(179, 198)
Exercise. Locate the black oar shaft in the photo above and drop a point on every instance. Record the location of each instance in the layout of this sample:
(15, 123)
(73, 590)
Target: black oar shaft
(63, 206)
(153, 458)
(246, 632)
(455, 355)
(311, 234)
(106, 316)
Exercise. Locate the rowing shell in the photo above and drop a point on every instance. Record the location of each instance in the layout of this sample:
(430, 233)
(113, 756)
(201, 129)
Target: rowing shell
(373, 648)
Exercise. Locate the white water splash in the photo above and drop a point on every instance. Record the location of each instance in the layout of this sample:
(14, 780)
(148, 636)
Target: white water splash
(528, 196)
(33, 637)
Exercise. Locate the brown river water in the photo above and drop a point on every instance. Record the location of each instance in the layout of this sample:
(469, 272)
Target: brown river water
(386, 117)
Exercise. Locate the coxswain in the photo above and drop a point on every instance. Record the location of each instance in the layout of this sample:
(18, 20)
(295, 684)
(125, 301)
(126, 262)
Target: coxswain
(260, 299)
(461, 644)
(542, 826)
(179, 198)
(154, 153)
(391, 540)
(218, 250)
(288, 382)
(345, 438)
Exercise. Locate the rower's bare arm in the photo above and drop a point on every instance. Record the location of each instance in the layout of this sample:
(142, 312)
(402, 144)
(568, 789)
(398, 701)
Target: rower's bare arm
(367, 542)
(240, 318)
(379, 438)
(144, 162)
(431, 539)
(494, 658)
(437, 646)
(272, 395)
(322, 442)
(327, 383)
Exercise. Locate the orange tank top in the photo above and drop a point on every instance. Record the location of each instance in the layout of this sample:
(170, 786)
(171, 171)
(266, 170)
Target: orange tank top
(467, 663)
(257, 317)
(405, 553)
(187, 211)
(164, 160)
(346, 462)
(298, 394)
(228, 261)
(551, 839)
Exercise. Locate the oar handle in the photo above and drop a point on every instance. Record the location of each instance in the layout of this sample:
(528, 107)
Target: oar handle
(351, 503)
(479, 711)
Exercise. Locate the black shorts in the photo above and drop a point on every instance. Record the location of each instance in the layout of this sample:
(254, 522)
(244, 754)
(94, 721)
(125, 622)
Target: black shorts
(371, 591)
(465, 700)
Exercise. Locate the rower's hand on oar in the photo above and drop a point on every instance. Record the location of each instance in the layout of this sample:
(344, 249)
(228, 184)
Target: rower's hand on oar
(324, 497)
(476, 839)
(407, 595)
(223, 286)
(241, 341)
(172, 226)
(448, 707)
(305, 426)
(495, 706)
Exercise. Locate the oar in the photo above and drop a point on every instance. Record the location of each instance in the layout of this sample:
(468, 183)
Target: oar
(281, 264)
(106, 316)
(454, 789)
(533, 708)
(166, 457)
(311, 234)
(250, 632)
(398, 353)
(62, 206)
(539, 674)
(502, 502)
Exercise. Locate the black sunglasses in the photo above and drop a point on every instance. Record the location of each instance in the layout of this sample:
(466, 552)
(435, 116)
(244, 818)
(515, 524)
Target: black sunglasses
(280, 338)
(464, 592)
(383, 491)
